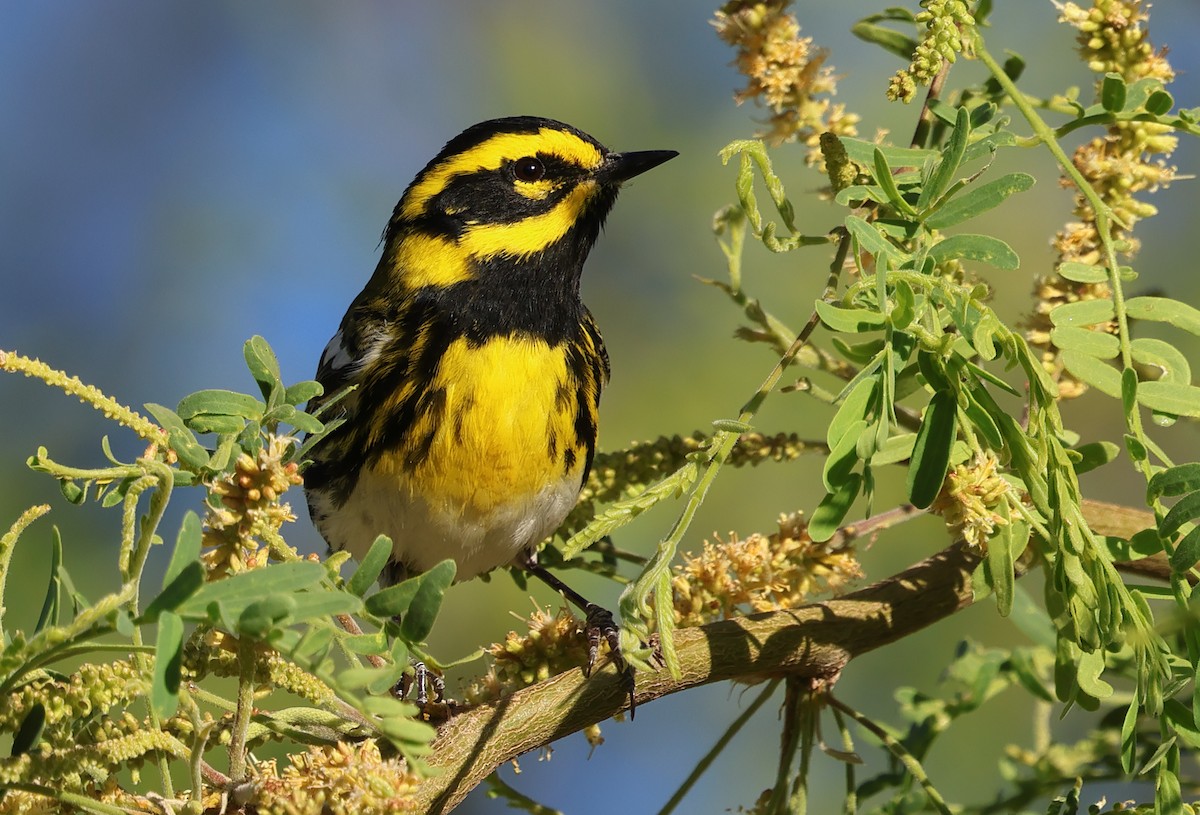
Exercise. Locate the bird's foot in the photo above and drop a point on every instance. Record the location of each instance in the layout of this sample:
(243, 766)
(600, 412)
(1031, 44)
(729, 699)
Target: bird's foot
(419, 682)
(599, 626)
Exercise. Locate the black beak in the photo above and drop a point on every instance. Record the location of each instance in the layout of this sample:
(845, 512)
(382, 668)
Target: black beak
(620, 167)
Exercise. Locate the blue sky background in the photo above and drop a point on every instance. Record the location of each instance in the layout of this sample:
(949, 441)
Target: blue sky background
(175, 177)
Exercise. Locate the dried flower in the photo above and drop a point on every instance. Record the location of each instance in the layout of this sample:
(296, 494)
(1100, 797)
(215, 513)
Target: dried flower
(760, 573)
(344, 779)
(786, 73)
(250, 509)
(1118, 166)
(969, 498)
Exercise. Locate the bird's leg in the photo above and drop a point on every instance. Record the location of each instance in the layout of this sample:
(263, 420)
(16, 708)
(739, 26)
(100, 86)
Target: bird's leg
(422, 679)
(598, 624)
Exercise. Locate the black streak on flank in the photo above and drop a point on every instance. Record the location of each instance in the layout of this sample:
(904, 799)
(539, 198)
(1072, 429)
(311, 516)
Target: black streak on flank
(430, 407)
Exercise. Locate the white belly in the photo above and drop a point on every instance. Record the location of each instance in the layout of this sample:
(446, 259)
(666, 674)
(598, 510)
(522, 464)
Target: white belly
(423, 536)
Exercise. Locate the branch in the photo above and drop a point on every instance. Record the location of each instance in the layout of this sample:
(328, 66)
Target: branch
(814, 641)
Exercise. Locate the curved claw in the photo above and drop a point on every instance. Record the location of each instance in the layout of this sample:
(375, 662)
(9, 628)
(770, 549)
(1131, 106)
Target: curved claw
(599, 625)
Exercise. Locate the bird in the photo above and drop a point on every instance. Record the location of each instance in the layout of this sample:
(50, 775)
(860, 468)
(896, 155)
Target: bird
(474, 369)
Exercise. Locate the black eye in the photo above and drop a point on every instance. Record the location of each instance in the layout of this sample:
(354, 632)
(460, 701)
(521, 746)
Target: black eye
(528, 169)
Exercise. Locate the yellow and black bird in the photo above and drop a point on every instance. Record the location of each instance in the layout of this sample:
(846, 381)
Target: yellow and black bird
(477, 367)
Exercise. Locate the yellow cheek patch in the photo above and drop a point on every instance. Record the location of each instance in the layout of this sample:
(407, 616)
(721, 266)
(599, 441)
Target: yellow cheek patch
(493, 153)
(530, 235)
(429, 260)
(535, 190)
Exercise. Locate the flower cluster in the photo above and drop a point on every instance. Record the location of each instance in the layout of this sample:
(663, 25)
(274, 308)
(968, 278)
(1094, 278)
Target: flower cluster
(761, 573)
(785, 72)
(250, 508)
(949, 28)
(555, 643)
(1124, 162)
(336, 780)
(88, 729)
(969, 498)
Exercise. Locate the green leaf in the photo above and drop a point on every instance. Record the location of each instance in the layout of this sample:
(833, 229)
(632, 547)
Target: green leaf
(1164, 310)
(859, 353)
(49, 615)
(1175, 481)
(301, 392)
(389, 676)
(187, 546)
(220, 403)
(833, 508)
(1129, 396)
(168, 665)
(1168, 795)
(949, 161)
(1140, 91)
(983, 423)
(1180, 717)
(371, 566)
(312, 605)
(1159, 103)
(259, 617)
(1129, 736)
(931, 453)
(977, 200)
(1164, 356)
(1082, 272)
(1094, 454)
(979, 248)
(896, 448)
(1186, 510)
(238, 591)
(862, 152)
(1083, 313)
(179, 437)
(263, 365)
(1022, 664)
(887, 183)
(870, 240)
(210, 423)
(418, 622)
(904, 309)
(406, 730)
(891, 41)
(860, 192)
(392, 601)
(375, 643)
(182, 586)
(305, 423)
(1100, 375)
(1091, 666)
(932, 368)
(29, 732)
(1169, 397)
(1187, 551)
(313, 645)
(849, 320)
(843, 456)
(1002, 551)
(1156, 758)
(1112, 93)
(1098, 344)
(359, 677)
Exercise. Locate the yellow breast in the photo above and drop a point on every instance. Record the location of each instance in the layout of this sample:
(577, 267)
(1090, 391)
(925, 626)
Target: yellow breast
(501, 427)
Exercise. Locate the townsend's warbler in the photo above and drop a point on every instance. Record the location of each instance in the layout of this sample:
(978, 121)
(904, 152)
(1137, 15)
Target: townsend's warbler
(477, 369)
